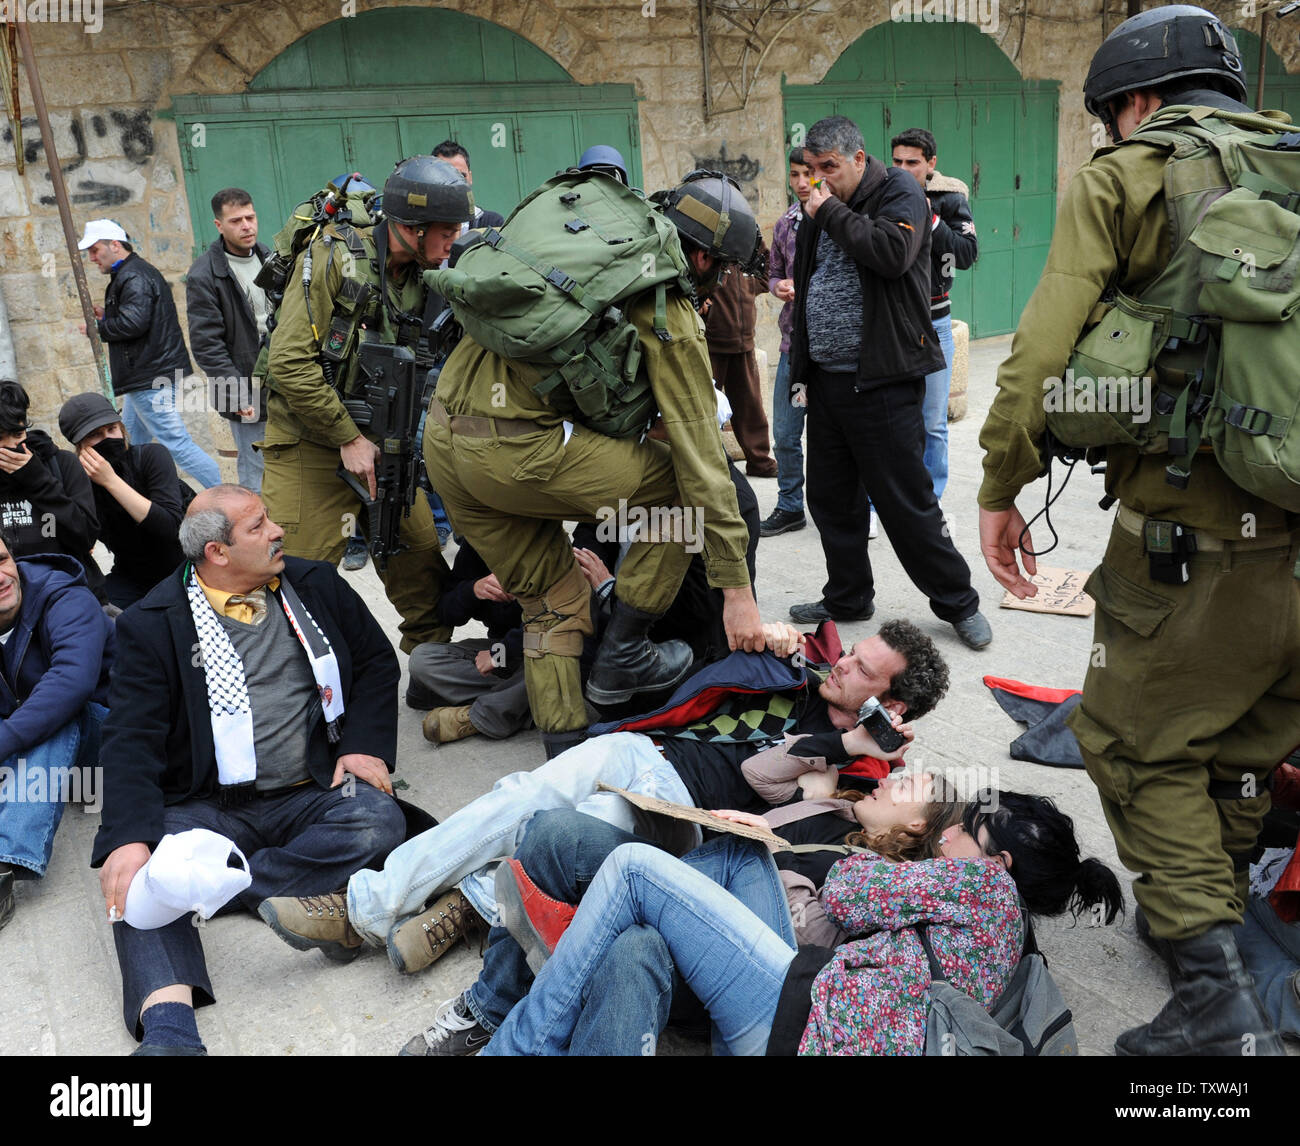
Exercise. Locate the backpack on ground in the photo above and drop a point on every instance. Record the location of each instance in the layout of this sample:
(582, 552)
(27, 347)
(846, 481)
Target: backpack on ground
(551, 287)
(1029, 1017)
(1206, 359)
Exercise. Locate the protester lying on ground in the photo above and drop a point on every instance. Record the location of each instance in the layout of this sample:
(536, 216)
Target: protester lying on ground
(901, 819)
(45, 499)
(139, 498)
(689, 752)
(255, 696)
(868, 995)
(56, 648)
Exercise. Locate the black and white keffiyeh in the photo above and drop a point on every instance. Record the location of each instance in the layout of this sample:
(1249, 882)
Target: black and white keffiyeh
(228, 704)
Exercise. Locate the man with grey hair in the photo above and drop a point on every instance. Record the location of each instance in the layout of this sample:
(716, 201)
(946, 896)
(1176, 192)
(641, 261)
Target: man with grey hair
(861, 346)
(255, 696)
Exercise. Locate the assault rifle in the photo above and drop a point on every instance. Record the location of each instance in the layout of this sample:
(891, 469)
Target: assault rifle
(389, 406)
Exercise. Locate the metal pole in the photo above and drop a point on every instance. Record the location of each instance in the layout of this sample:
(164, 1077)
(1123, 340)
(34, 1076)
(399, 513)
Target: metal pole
(1263, 59)
(65, 212)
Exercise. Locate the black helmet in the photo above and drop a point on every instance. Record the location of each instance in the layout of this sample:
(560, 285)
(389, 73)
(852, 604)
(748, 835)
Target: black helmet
(1152, 48)
(709, 211)
(423, 189)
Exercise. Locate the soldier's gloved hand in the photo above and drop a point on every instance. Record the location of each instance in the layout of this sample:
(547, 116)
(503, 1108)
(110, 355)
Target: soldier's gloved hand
(1000, 538)
(359, 460)
(741, 620)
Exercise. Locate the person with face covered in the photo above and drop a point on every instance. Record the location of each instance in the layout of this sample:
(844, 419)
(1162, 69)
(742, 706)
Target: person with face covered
(139, 498)
(46, 504)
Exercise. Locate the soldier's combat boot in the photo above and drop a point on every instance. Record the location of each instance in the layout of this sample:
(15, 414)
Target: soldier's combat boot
(1214, 1009)
(628, 662)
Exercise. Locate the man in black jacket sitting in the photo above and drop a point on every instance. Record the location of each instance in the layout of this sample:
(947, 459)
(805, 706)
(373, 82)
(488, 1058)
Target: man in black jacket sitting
(146, 351)
(860, 349)
(255, 696)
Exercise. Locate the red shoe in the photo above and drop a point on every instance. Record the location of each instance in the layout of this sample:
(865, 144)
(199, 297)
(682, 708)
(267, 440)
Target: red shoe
(535, 920)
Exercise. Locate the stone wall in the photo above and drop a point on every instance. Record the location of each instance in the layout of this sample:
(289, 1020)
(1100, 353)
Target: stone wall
(120, 159)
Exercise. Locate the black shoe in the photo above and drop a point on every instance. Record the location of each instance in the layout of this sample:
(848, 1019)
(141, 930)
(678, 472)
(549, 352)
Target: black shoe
(356, 555)
(153, 1050)
(455, 1031)
(1214, 1009)
(420, 698)
(781, 521)
(553, 743)
(815, 612)
(6, 894)
(974, 631)
(628, 662)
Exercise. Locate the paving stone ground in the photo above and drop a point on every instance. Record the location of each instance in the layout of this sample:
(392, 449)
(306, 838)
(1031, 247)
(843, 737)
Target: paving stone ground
(58, 974)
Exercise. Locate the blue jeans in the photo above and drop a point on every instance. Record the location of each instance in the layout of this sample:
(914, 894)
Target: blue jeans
(440, 522)
(250, 464)
(488, 829)
(562, 852)
(297, 842)
(732, 950)
(154, 413)
(35, 784)
(787, 441)
(1270, 949)
(934, 409)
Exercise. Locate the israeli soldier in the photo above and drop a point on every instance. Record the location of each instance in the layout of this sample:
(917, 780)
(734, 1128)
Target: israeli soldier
(362, 279)
(1193, 577)
(510, 471)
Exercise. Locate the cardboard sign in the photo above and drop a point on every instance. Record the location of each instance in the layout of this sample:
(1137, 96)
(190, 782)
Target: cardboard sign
(1059, 591)
(694, 816)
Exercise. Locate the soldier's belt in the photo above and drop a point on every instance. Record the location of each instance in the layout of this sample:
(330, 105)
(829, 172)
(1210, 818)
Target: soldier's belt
(469, 426)
(1135, 523)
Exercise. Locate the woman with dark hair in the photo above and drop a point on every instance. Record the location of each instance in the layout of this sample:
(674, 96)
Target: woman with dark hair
(137, 494)
(868, 995)
(46, 502)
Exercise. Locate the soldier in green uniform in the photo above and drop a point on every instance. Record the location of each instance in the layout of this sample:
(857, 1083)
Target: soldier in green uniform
(1193, 692)
(510, 472)
(360, 279)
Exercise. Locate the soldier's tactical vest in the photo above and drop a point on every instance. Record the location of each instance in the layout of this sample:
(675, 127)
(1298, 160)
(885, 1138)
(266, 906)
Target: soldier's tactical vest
(1208, 357)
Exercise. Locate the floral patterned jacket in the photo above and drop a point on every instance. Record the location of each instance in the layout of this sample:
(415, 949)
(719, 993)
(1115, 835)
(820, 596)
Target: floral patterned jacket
(873, 997)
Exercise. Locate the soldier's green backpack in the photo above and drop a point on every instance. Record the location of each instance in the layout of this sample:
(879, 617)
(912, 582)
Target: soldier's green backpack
(1029, 1017)
(1210, 352)
(551, 288)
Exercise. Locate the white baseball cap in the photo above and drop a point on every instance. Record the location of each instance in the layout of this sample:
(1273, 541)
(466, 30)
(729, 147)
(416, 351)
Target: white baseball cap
(188, 871)
(102, 230)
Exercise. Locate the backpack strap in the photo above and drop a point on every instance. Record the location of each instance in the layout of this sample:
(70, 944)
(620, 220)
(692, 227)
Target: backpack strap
(559, 279)
(936, 972)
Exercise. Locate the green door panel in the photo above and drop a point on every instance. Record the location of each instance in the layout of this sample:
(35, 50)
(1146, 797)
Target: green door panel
(342, 99)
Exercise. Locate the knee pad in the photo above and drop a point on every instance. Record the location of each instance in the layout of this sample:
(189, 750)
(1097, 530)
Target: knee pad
(556, 622)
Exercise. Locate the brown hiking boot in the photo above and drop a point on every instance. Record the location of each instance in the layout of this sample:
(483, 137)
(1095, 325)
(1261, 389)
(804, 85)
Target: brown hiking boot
(413, 945)
(310, 921)
(443, 725)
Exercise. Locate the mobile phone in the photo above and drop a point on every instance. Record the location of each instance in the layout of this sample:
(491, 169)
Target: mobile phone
(873, 717)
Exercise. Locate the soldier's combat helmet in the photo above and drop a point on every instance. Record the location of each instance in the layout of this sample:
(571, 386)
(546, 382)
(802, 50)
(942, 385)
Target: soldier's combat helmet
(710, 213)
(1178, 41)
(424, 190)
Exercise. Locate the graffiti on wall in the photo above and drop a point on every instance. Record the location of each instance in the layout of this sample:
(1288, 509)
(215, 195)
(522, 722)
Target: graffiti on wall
(88, 138)
(742, 168)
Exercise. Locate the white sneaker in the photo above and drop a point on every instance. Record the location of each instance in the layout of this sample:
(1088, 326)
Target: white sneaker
(873, 529)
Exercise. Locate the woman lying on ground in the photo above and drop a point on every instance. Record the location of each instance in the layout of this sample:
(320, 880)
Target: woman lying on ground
(563, 849)
(138, 496)
(869, 995)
